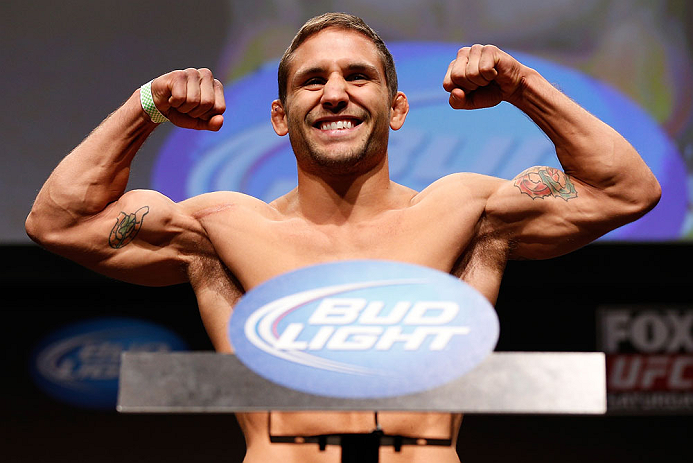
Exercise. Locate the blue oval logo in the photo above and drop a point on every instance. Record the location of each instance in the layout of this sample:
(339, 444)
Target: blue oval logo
(80, 363)
(247, 156)
(363, 329)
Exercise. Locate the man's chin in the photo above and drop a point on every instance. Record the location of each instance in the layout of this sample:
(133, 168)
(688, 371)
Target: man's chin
(337, 163)
(338, 158)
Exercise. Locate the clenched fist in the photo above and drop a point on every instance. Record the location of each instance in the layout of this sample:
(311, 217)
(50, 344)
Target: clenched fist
(482, 76)
(192, 99)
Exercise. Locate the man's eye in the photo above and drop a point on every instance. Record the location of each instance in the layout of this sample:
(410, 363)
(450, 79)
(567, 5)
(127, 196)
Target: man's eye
(357, 77)
(314, 81)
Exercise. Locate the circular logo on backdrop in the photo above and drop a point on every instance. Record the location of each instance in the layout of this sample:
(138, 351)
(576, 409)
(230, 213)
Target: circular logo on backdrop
(363, 329)
(247, 156)
(80, 363)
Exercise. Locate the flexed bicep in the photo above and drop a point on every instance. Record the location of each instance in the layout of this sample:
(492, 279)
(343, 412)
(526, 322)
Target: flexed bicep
(604, 183)
(546, 212)
(142, 238)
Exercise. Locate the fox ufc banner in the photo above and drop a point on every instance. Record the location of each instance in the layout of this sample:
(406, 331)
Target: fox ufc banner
(649, 358)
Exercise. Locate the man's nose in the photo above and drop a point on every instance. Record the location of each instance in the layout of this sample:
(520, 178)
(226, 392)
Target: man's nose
(334, 94)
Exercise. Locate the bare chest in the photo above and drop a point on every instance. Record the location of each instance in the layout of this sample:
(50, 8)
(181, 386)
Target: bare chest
(270, 248)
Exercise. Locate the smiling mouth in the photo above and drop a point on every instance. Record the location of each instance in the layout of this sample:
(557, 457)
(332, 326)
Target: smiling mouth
(337, 125)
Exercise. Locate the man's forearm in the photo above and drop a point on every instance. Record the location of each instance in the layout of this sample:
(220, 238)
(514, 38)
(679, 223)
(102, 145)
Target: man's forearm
(96, 172)
(588, 149)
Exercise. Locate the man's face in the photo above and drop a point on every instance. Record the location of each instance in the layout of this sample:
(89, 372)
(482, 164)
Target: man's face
(337, 109)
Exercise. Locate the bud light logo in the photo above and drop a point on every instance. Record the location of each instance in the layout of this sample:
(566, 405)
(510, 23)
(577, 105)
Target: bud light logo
(80, 364)
(363, 329)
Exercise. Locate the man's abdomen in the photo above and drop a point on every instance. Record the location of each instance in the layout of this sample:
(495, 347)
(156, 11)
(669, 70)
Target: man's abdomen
(258, 426)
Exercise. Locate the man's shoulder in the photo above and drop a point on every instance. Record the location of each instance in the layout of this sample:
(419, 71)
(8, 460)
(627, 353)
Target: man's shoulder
(229, 202)
(463, 185)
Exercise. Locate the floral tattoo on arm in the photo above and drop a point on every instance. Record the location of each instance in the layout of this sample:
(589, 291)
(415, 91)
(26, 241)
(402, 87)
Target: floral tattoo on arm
(126, 227)
(540, 182)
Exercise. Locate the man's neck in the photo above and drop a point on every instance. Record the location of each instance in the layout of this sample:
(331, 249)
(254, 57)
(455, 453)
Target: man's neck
(338, 199)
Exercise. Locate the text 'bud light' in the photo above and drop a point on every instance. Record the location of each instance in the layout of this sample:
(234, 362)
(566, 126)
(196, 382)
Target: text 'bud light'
(79, 363)
(363, 329)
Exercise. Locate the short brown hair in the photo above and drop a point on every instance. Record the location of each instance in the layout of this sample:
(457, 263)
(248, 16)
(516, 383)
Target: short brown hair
(343, 21)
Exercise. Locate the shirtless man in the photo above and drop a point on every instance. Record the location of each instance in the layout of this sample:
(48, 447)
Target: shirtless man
(338, 101)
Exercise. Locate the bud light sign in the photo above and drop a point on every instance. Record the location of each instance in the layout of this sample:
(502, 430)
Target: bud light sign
(79, 363)
(363, 329)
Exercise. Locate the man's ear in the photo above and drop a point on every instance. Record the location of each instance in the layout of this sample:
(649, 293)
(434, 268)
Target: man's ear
(400, 109)
(278, 117)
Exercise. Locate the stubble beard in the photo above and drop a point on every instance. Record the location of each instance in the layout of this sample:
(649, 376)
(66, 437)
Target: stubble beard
(354, 159)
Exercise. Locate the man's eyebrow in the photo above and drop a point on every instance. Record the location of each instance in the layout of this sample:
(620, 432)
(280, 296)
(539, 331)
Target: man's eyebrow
(300, 74)
(365, 67)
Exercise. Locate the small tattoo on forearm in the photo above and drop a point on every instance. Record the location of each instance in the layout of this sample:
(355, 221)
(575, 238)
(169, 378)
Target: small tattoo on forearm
(540, 182)
(126, 227)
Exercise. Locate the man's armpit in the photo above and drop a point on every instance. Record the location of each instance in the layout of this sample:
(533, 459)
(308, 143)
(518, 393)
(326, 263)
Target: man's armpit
(126, 227)
(542, 181)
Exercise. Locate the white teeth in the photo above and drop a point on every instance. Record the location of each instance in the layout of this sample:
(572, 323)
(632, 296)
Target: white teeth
(336, 125)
